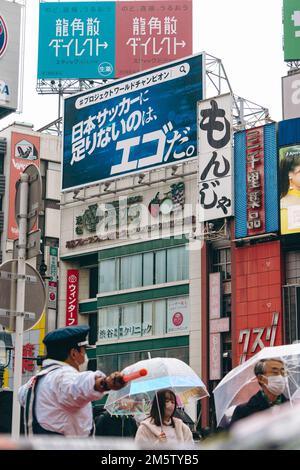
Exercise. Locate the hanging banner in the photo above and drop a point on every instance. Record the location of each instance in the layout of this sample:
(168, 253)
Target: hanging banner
(132, 125)
(72, 297)
(178, 314)
(25, 151)
(215, 158)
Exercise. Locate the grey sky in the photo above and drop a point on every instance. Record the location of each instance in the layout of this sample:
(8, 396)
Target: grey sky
(246, 35)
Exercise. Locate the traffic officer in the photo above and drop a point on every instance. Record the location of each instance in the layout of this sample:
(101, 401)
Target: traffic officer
(58, 399)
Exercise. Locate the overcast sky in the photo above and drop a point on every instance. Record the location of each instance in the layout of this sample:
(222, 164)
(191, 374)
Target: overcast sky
(245, 35)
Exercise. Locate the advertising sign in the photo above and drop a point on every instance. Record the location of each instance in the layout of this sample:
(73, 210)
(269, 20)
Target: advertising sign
(72, 297)
(111, 39)
(215, 157)
(291, 96)
(10, 22)
(132, 125)
(25, 151)
(76, 40)
(178, 314)
(289, 189)
(152, 33)
(291, 28)
(256, 196)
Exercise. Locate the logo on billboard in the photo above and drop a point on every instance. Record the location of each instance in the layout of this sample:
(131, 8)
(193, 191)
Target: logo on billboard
(3, 37)
(177, 319)
(4, 91)
(25, 150)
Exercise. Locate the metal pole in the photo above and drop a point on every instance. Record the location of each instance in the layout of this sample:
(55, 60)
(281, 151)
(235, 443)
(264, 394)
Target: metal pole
(20, 303)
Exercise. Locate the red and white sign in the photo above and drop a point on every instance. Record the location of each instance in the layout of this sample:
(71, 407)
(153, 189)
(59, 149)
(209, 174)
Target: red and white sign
(52, 295)
(72, 297)
(255, 181)
(152, 33)
(178, 314)
(25, 151)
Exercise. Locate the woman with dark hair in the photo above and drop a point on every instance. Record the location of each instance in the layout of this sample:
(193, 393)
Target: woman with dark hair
(162, 427)
(290, 191)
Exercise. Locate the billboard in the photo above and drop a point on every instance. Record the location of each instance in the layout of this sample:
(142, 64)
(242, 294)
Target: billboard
(152, 33)
(25, 151)
(255, 175)
(291, 96)
(291, 30)
(10, 22)
(215, 157)
(111, 39)
(136, 124)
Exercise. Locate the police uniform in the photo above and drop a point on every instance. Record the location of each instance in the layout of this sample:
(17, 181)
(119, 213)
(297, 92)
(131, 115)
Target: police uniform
(58, 399)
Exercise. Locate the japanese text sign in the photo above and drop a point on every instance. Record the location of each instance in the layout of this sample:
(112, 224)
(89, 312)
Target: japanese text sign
(72, 297)
(132, 125)
(111, 39)
(215, 157)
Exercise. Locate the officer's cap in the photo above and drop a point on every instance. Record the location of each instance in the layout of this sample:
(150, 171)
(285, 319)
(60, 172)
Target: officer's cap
(66, 338)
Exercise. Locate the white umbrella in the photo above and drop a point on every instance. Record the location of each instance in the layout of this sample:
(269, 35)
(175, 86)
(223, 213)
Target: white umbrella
(240, 383)
(163, 373)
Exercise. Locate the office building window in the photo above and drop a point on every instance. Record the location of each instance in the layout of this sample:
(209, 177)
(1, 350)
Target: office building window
(222, 263)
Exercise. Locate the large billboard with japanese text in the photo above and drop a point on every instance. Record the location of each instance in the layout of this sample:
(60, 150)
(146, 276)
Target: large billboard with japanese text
(255, 177)
(136, 124)
(10, 23)
(215, 157)
(111, 39)
(291, 96)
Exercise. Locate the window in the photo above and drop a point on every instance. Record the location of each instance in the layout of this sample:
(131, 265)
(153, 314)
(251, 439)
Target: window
(93, 283)
(222, 263)
(160, 267)
(131, 272)
(153, 318)
(1, 164)
(108, 275)
(177, 264)
(148, 269)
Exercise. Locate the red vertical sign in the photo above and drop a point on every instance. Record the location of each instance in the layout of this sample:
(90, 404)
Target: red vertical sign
(255, 181)
(25, 151)
(152, 33)
(72, 297)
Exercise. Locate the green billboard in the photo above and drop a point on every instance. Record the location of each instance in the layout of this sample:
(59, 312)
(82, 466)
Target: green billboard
(291, 27)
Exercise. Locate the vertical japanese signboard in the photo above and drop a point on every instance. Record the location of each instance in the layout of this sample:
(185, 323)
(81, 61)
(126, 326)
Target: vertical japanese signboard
(152, 33)
(25, 151)
(215, 157)
(72, 297)
(291, 27)
(10, 22)
(256, 197)
(132, 125)
(111, 39)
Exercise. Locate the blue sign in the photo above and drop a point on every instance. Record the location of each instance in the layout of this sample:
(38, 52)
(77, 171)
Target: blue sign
(77, 40)
(135, 124)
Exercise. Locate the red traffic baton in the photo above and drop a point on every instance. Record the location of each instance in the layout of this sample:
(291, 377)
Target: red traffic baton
(135, 375)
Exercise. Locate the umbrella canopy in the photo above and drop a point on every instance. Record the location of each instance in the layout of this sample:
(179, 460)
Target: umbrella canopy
(163, 373)
(240, 383)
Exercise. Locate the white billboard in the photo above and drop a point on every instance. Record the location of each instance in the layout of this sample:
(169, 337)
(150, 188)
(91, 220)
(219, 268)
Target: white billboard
(215, 158)
(10, 23)
(291, 96)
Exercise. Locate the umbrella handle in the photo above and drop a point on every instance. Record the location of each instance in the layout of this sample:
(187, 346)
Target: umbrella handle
(135, 375)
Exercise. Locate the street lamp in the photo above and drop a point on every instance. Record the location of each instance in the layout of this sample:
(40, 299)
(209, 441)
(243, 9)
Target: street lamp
(6, 347)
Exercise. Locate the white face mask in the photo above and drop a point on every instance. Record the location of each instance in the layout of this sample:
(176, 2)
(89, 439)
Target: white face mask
(83, 367)
(276, 384)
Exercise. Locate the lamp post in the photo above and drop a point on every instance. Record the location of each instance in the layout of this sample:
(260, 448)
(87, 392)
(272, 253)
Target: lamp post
(6, 347)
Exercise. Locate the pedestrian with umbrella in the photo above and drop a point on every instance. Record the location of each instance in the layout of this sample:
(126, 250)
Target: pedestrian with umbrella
(161, 427)
(270, 377)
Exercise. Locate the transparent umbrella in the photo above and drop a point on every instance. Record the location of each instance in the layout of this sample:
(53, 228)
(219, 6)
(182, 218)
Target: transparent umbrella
(163, 373)
(240, 384)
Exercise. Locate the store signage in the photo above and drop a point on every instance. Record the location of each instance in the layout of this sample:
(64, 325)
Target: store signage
(215, 158)
(72, 297)
(124, 331)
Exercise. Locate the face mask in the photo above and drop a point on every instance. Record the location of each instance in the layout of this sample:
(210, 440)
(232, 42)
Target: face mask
(276, 384)
(83, 367)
